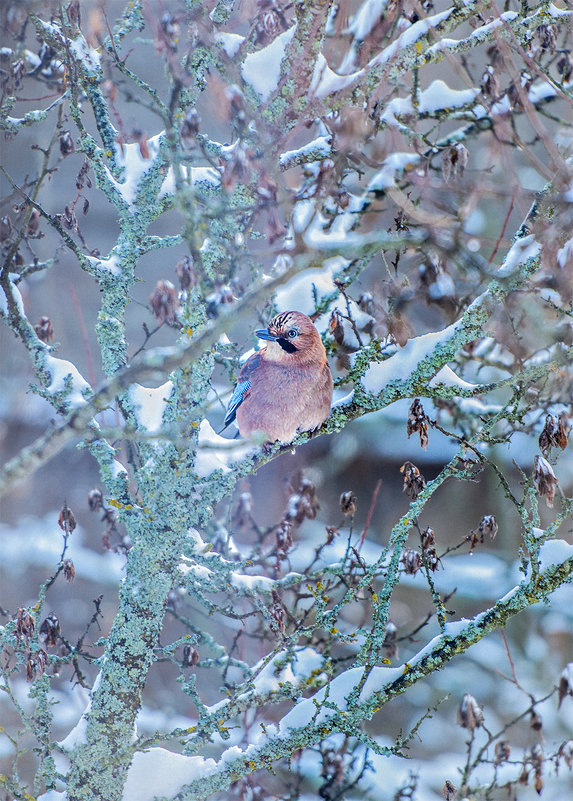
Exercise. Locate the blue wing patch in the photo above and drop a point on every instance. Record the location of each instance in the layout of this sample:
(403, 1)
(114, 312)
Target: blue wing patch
(238, 396)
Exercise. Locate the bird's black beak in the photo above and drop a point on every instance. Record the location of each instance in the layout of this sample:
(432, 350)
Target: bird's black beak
(264, 333)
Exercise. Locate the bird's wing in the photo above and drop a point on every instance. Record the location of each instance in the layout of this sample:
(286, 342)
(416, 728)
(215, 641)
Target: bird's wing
(241, 391)
(243, 387)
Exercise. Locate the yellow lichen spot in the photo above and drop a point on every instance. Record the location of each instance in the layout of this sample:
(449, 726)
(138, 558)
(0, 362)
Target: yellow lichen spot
(108, 153)
(333, 630)
(418, 47)
(386, 661)
(189, 332)
(194, 424)
(374, 597)
(407, 667)
(115, 504)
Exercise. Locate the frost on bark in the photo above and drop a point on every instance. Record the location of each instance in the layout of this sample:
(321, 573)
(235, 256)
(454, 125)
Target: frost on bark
(346, 180)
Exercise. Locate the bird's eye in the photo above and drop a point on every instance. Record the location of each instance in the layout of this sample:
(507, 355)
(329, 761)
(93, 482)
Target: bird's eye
(292, 333)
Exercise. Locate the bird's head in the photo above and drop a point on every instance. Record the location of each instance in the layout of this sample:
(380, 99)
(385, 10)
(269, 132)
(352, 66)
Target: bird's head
(292, 337)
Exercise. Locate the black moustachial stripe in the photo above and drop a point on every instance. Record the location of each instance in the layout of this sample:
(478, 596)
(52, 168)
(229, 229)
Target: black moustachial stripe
(286, 345)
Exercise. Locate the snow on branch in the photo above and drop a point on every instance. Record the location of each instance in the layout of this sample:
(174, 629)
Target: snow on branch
(358, 693)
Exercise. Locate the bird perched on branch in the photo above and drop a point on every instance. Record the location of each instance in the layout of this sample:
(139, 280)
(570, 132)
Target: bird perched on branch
(285, 387)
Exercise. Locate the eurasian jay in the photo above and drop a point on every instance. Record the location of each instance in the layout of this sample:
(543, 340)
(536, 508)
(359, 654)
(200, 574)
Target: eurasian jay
(285, 387)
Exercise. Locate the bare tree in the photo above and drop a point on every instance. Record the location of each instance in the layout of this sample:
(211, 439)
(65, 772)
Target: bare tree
(399, 172)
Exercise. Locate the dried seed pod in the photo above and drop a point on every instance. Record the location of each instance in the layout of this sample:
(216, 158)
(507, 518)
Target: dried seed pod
(414, 481)
(470, 715)
(44, 329)
(49, 631)
(454, 161)
(565, 66)
(348, 502)
(489, 84)
(191, 123)
(331, 532)
(244, 509)
(488, 525)
(67, 146)
(502, 751)
(449, 790)
(335, 327)
(563, 430)
(36, 665)
(186, 273)
(164, 302)
(554, 434)
(412, 561)
(566, 682)
(33, 223)
(566, 753)
(170, 27)
(390, 645)
(66, 519)
(69, 570)
(302, 503)
(535, 721)
(545, 479)
(278, 612)
(429, 548)
(190, 656)
(536, 757)
(418, 422)
(547, 37)
(95, 499)
(25, 625)
(83, 177)
(366, 302)
(5, 228)
(284, 538)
